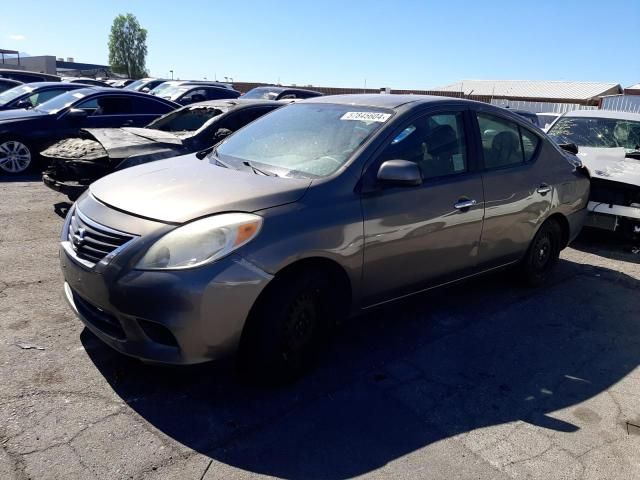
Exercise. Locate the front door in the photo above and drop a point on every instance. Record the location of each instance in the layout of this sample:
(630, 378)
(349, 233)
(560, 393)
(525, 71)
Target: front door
(418, 236)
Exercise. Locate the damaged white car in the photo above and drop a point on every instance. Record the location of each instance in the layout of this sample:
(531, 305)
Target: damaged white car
(609, 147)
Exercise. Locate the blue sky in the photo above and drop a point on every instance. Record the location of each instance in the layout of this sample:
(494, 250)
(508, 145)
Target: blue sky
(400, 44)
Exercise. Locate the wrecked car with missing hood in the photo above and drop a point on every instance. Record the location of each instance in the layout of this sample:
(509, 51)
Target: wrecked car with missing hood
(609, 147)
(76, 162)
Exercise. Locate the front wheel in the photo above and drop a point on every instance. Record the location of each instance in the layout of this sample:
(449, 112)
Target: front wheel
(288, 328)
(543, 254)
(15, 157)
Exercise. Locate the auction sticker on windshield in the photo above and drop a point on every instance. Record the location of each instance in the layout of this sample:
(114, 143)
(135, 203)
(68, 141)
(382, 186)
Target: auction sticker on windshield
(366, 116)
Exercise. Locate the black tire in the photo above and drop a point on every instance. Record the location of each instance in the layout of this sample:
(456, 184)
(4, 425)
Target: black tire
(543, 254)
(288, 327)
(13, 156)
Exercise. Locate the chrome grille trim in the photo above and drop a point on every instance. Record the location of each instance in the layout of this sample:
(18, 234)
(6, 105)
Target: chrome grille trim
(91, 243)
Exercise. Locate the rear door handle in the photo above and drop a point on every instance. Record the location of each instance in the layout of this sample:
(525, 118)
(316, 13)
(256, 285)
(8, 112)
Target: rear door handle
(543, 189)
(465, 204)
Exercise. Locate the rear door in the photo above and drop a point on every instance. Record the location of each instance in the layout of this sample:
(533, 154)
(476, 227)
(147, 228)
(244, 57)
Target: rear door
(518, 195)
(419, 236)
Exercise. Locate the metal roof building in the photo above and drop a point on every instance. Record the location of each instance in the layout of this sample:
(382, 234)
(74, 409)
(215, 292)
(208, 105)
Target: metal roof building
(584, 93)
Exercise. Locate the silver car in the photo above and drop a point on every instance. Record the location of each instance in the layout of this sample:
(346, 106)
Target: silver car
(319, 210)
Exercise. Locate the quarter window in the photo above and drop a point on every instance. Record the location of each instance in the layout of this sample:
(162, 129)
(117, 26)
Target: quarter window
(530, 143)
(435, 142)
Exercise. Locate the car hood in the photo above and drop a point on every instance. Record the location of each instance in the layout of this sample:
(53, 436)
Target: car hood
(124, 142)
(182, 188)
(610, 164)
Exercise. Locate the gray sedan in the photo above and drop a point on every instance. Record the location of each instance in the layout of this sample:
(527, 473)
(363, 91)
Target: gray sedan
(317, 211)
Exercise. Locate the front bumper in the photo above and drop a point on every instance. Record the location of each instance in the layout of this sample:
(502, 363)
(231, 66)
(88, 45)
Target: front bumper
(177, 317)
(70, 188)
(611, 217)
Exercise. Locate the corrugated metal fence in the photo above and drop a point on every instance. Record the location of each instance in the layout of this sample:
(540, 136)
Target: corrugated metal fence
(622, 103)
(540, 107)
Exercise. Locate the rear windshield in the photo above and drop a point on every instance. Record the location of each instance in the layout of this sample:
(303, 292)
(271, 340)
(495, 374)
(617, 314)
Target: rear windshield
(263, 93)
(61, 101)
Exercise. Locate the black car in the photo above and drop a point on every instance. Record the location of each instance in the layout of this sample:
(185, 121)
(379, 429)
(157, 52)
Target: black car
(86, 81)
(26, 76)
(7, 83)
(23, 133)
(30, 95)
(76, 162)
(145, 84)
(188, 93)
(280, 93)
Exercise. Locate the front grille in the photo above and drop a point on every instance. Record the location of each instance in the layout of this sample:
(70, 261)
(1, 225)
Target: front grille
(614, 193)
(91, 241)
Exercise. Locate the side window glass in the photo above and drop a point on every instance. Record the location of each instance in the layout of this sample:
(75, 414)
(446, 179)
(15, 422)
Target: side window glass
(500, 141)
(530, 143)
(149, 106)
(435, 142)
(42, 97)
(107, 106)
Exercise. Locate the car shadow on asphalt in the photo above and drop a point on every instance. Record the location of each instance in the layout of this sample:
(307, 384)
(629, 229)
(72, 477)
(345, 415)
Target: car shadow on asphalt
(611, 245)
(403, 377)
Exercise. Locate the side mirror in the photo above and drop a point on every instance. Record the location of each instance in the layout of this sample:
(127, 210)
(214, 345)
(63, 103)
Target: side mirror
(400, 172)
(77, 113)
(221, 133)
(569, 147)
(24, 103)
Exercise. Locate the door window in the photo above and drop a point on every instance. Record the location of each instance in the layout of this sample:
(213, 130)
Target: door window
(102, 106)
(435, 142)
(505, 143)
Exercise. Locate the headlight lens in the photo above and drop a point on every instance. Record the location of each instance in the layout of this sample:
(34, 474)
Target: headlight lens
(202, 241)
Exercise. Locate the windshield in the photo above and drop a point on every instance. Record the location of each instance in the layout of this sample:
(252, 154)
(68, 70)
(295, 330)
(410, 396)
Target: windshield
(159, 90)
(312, 140)
(172, 92)
(263, 93)
(61, 101)
(185, 120)
(597, 132)
(136, 84)
(13, 93)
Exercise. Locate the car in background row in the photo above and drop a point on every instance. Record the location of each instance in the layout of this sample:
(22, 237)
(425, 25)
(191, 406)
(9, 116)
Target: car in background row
(30, 95)
(188, 93)
(532, 117)
(86, 81)
(546, 119)
(24, 133)
(609, 147)
(145, 84)
(76, 162)
(6, 84)
(323, 208)
(280, 93)
(25, 76)
(120, 83)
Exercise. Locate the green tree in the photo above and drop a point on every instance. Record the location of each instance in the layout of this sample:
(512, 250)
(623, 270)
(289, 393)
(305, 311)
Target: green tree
(128, 46)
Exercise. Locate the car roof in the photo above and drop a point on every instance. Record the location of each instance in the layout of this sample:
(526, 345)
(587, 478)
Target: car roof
(604, 114)
(51, 84)
(381, 100)
(235, 103)
(91, 90)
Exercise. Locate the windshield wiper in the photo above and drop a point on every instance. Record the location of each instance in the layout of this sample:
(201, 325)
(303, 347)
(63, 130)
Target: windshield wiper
(256, 170)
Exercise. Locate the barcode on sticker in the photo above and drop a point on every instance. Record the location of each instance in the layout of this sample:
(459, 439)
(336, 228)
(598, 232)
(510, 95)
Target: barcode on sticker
(366, 116)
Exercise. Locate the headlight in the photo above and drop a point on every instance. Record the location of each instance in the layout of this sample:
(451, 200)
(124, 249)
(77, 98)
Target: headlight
(202, 241)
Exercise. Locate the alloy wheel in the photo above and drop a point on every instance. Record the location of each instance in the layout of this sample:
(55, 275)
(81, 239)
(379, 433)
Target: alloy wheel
(15, 157)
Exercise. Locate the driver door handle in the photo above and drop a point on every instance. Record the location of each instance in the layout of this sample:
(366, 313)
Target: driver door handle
(543, 189)
(465, 204)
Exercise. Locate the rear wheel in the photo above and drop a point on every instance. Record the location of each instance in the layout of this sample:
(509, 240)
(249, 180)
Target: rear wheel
(15, 157)
(543, 254)
(288, 327)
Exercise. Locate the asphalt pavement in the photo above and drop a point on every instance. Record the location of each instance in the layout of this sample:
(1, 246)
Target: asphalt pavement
(482, 380)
